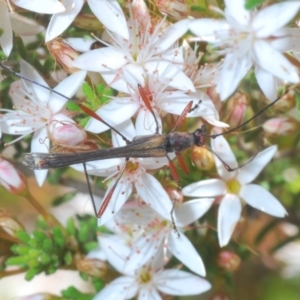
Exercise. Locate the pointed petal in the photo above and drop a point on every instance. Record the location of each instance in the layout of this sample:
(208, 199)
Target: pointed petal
(152, 192)
(229, 214)
(111, 16)
(183, 249)
(205, 188)
(207, 29)
(6, 39)
(287, 39)
(177, 283)
(42, 7)
(274, 62)
(234, 68)
(124, 287)
(171, 35)
(115, 250)
(190, 211)
(114, 113)
(41, 94)
(249, 172)
(267, 82)
(118, 198)
(100, 60)
(61, 21)
(68, 87)
(261, 199)
(273, 17)
(80, 44)
(127, 129)
(223, 150)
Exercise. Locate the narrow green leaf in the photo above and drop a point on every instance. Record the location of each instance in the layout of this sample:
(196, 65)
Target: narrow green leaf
(251, 4)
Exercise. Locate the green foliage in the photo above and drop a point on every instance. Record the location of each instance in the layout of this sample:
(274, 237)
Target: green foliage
(251, 4)
(72, 293)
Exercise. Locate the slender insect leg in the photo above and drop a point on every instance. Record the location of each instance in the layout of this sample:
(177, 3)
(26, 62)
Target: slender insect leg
(89, 188)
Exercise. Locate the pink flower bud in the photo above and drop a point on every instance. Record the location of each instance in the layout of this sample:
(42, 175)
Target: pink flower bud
(280, 126)
(64, 54)
(9, 225)
(69, 134)
(236, 109)
(229, 260)
(10, 178)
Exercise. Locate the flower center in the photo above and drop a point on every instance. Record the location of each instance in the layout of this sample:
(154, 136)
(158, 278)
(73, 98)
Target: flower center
(131, 166)
(233, 186)
(145, 275)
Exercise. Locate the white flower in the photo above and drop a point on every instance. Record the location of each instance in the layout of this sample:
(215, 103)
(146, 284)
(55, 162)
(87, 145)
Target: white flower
(147, 281)
(10, 22)
(36, 108)
(162, 99)
(236, 186)
(136, 42)
(135, 175)
(153, 235)
(250, 38)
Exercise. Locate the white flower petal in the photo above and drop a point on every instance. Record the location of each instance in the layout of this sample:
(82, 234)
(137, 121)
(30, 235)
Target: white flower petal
(237, 14)
(171, 35)
(6, 39)
(267, 82)
(148, 293)
(261, 199)
(249, 172)
(127, 129)
(152, 192)
(287, 39)
(183, 249)
(60, 22)
(234, 68)
(173, 75)
(228, 215)
(145, 123)
(24, 26)
(42, 7)
(115, 249)
(110, 15)
(190, 211)
(122, 288)
(207, 29)
(177, 283)
(40, 93)
(80, 44)
(142, 250)
(100, 60)
(221, 147)
(118, 198)
(68, 87)
(205, 188)
(274, 62)
(273, 17)
(114, 113)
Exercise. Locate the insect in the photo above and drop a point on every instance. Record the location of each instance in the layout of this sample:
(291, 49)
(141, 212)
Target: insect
(156, 145)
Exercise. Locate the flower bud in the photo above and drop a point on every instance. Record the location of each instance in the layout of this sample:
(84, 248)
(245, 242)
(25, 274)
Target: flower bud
(69, 134)
(64, 54)
(93, 267)
(202, 158)
(175, 194)
(176, 9)
(10, 178)
(229, 261)
(9, 225)
(280, 126)
(236, 109)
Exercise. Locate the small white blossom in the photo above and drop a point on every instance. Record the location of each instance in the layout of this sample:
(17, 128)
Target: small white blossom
(248, 38)
(236, 186)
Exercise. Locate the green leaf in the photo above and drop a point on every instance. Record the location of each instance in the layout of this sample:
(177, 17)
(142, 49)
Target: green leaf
(68, 258)
(251, 4)
(59, 239)
(71, 226)
(72, 106)
(88, 92)
(73, 293)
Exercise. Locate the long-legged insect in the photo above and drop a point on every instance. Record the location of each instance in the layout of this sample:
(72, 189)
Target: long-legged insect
(157, 145)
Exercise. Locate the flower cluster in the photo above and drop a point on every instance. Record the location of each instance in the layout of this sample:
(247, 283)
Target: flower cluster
(144, 73)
